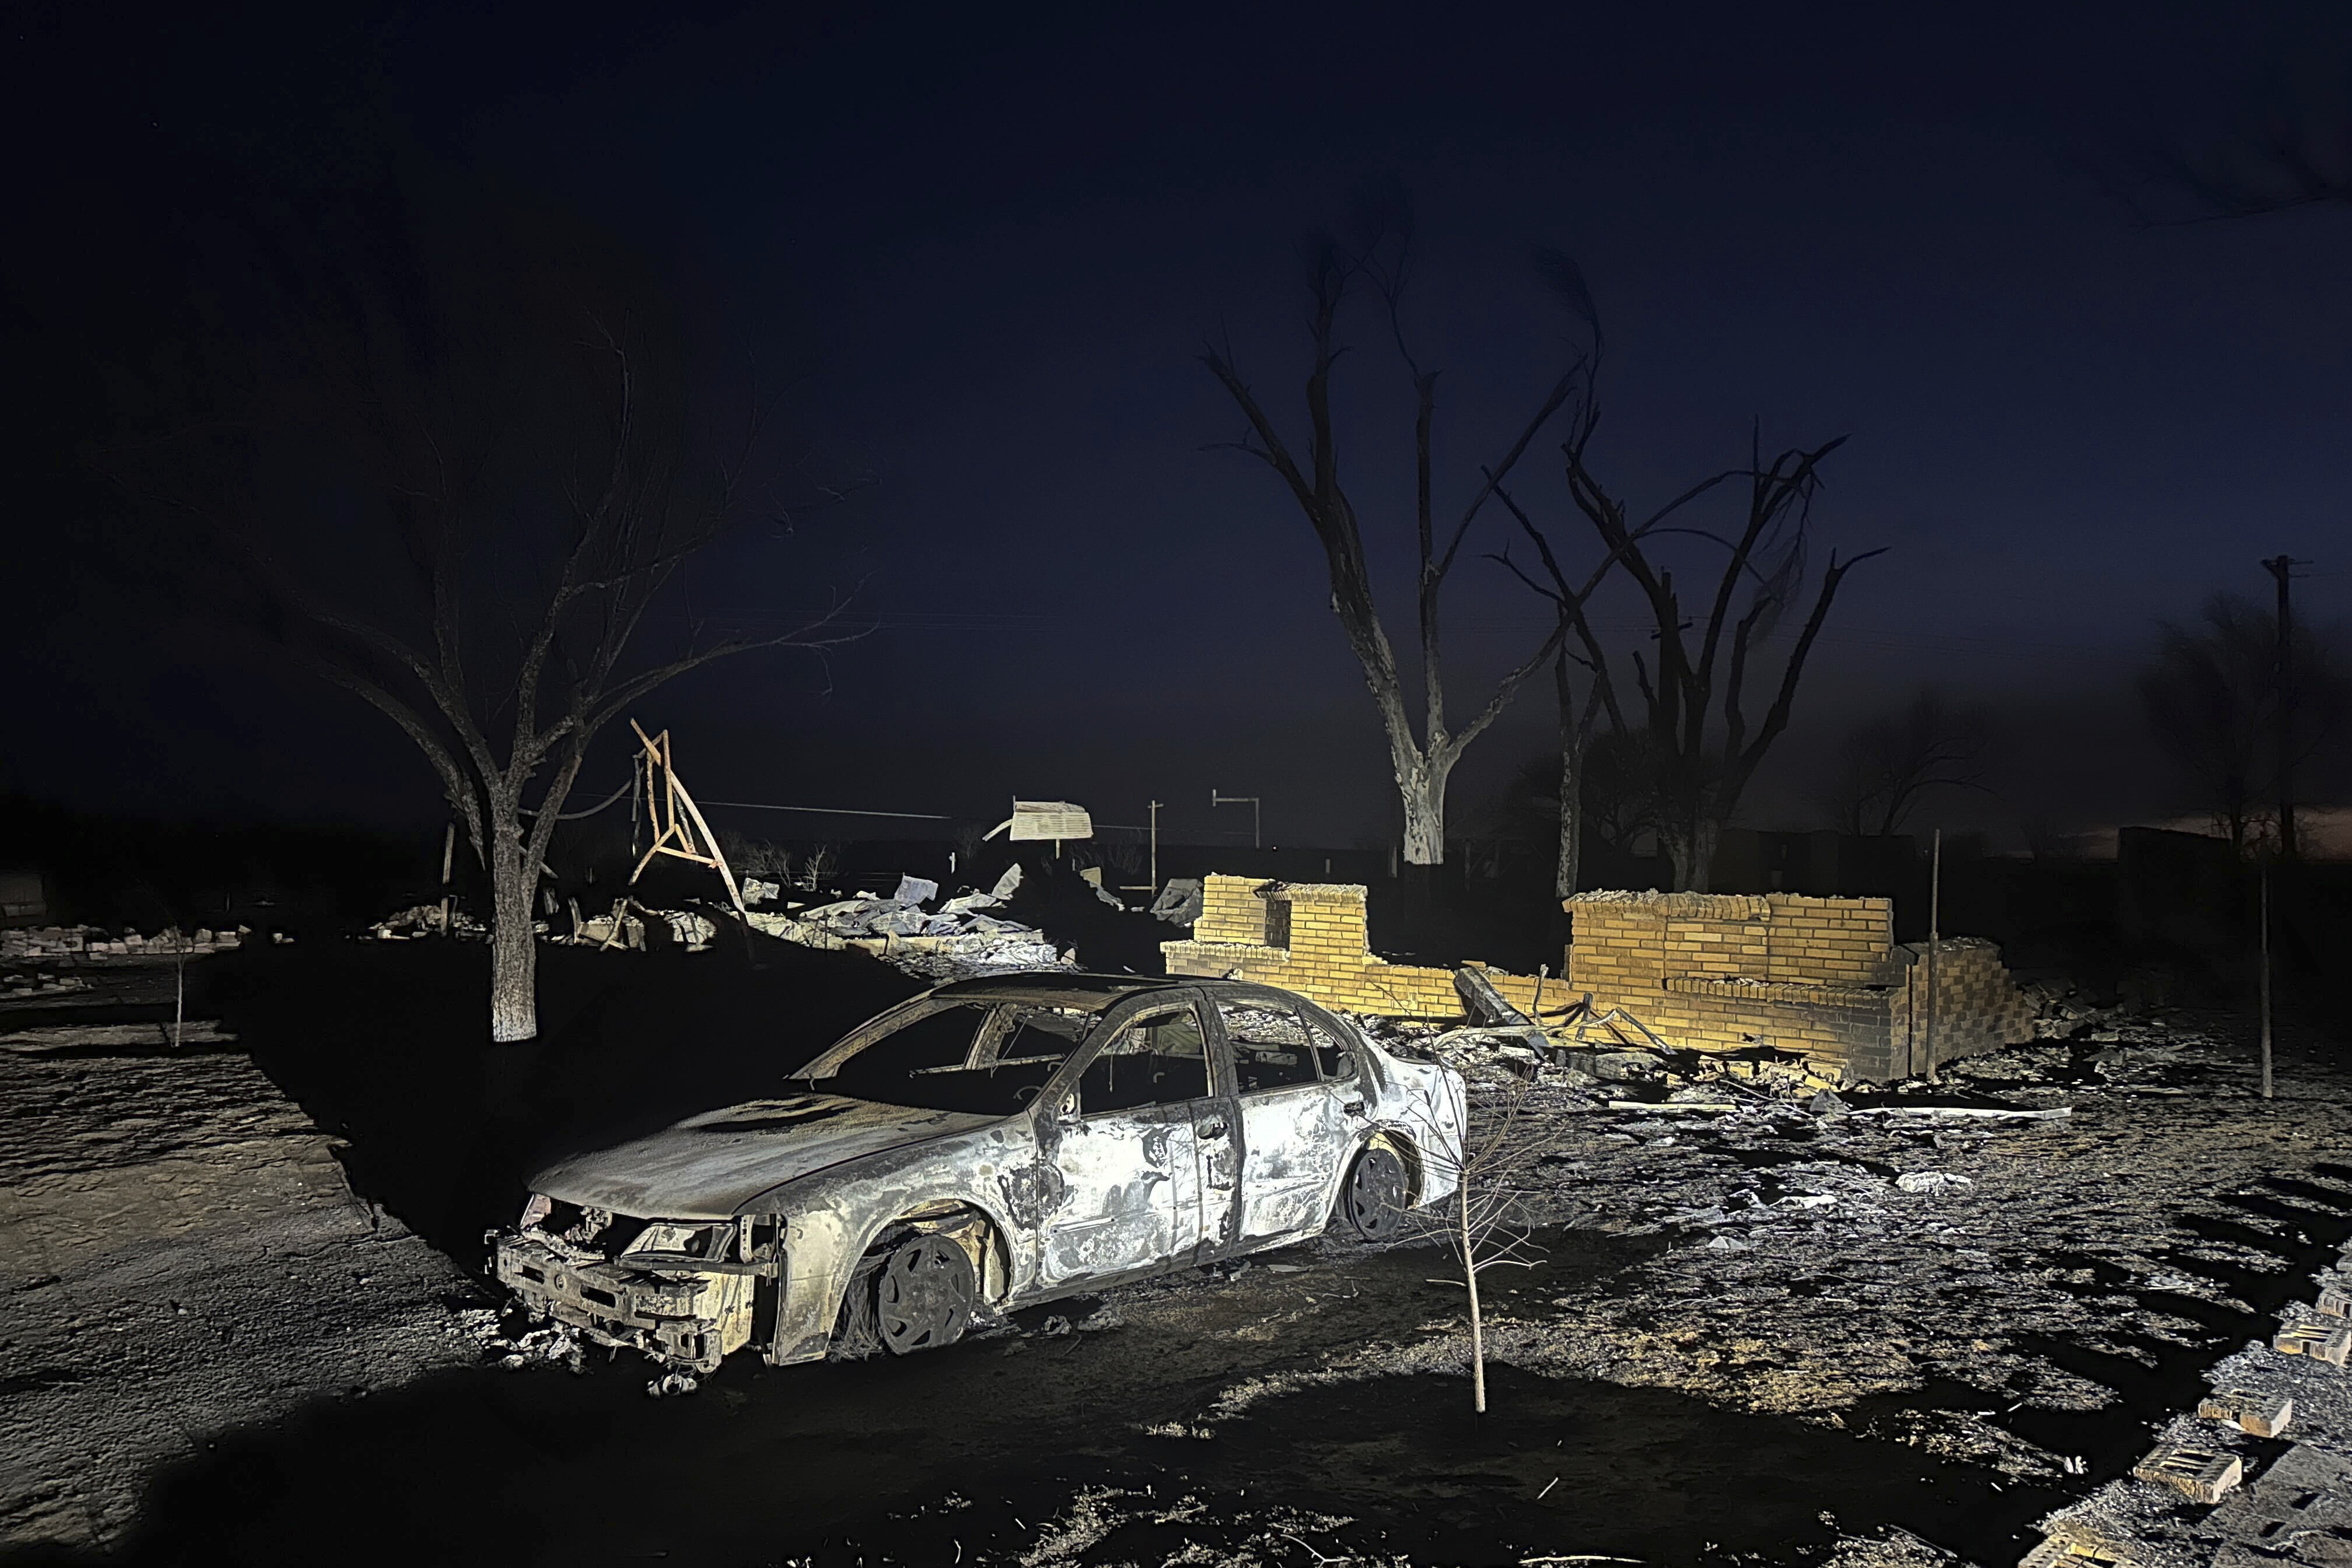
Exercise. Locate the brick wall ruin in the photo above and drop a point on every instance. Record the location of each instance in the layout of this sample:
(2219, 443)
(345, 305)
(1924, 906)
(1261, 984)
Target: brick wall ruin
(1311, 938)
(1710, 970)
(1824, 976)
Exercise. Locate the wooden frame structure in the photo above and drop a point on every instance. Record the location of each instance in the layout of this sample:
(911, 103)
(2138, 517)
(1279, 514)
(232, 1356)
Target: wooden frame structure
(675, 818)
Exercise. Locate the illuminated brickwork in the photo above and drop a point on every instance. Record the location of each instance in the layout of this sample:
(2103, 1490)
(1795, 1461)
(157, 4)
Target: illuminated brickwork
(1311, 938)
(1719, 970)
(1713, 972)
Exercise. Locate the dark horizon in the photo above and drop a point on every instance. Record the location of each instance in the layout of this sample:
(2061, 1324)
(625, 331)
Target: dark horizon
(983, 255)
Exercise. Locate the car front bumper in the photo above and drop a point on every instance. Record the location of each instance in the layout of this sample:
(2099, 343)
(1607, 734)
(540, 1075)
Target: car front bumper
(658, 1313)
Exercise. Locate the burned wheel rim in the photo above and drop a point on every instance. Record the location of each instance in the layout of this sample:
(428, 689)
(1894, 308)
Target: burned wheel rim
(923, 1297)
(1376, 1195)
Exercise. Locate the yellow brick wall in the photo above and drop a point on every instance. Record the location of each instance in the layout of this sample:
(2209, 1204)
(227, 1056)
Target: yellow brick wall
(1710, 972)
(1637, 944)
(1231, 910)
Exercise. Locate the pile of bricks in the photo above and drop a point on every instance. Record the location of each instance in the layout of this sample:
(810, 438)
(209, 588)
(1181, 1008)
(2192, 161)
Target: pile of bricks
(92, 941)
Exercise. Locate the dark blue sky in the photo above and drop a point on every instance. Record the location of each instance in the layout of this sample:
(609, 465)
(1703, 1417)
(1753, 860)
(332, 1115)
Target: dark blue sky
(986, 248)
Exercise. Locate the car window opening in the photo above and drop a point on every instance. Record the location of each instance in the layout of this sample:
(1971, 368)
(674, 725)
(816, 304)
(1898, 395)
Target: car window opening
(1272, 1046)
(1160, 1058)
(987, 1060)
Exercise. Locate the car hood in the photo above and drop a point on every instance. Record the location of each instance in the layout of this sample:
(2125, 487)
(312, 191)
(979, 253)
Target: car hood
(709, 1166)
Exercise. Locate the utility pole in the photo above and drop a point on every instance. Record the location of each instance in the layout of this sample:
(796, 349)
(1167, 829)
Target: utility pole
(2283, 691)
(1934, 939)
(1216, 800)
(2263, 982)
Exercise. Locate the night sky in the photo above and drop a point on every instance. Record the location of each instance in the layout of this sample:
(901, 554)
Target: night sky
(984, 248)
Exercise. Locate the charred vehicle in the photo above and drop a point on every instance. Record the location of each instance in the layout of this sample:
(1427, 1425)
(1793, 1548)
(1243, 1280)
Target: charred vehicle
(989, 1145)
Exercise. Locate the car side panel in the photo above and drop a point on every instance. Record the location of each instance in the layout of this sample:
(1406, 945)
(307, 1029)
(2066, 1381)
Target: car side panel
(1120, 1172)
(1293, 1140)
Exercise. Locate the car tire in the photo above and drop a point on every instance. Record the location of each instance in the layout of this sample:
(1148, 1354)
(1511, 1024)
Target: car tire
(923, 1295)
(1375, 1197)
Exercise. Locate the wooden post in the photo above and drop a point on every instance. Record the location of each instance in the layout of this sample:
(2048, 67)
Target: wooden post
(1935, 938)
(1155, 849)
(2264, 982)
(674, 835)
(448, 861)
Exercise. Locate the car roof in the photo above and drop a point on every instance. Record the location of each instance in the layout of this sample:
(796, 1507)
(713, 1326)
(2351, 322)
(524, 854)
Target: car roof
(1054, 988)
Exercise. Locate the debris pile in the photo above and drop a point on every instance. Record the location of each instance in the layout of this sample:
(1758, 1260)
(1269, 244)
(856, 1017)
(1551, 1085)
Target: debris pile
(1179, 902)
(22, 982)
(2293, 1506)
(423, 920)
(956, 939)
(553, 1342)
(94, 942)
(1587, 1049)
(2062, 1012)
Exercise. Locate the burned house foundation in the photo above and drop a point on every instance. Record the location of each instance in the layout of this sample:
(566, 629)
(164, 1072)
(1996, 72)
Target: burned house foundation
(1717, 972)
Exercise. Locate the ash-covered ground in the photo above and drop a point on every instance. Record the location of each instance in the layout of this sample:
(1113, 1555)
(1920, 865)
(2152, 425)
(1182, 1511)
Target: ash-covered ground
(241, 1314)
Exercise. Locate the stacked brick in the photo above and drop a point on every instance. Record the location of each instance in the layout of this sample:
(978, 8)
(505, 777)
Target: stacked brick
(1712, 971)
(1311, 938)
(1719, 972)
(91, 942)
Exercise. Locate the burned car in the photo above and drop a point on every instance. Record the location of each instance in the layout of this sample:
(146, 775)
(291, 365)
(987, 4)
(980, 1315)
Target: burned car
(989, 1145)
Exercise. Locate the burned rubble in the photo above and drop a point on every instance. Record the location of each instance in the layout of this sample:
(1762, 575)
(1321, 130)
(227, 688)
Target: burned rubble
(951, 938)
(2087, 1283)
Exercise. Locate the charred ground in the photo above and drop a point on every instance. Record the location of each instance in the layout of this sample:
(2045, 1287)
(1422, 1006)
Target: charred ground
(1701, 1366)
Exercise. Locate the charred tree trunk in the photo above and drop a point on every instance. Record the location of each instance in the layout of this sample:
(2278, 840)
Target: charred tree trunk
(1690, 852)
(1572, 737)
(1311, 475)
(514, 950)
(1421, 786)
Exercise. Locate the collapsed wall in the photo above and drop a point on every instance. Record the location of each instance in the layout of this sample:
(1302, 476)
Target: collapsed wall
(1707, 970)
(1824, 976)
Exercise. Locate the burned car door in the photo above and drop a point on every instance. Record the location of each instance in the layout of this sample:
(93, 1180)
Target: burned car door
(1294, 1131)
(1118, 1149)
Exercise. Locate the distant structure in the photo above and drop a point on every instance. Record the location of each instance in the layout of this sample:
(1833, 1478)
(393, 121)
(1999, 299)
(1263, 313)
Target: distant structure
(1707, 970)
(22, 899)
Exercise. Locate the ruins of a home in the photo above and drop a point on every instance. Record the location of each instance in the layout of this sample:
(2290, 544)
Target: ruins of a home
(1820, 976)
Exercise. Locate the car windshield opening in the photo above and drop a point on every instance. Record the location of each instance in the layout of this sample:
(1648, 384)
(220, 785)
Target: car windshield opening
(1159, 1060)
(991, 1060)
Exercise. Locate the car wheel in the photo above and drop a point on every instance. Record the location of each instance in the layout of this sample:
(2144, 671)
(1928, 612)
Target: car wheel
(922, 1299)
(1375, 1198)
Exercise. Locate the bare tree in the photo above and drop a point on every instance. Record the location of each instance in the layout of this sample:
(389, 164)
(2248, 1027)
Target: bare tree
(2212, 698)
(505, 401)
(1576, 723)
(1885, 766)
(1508, 1127)
(1379, 260)
(1694, 700)
(1700, 759)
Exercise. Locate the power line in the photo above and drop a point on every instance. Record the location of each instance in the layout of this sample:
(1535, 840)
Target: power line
(830, 810)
